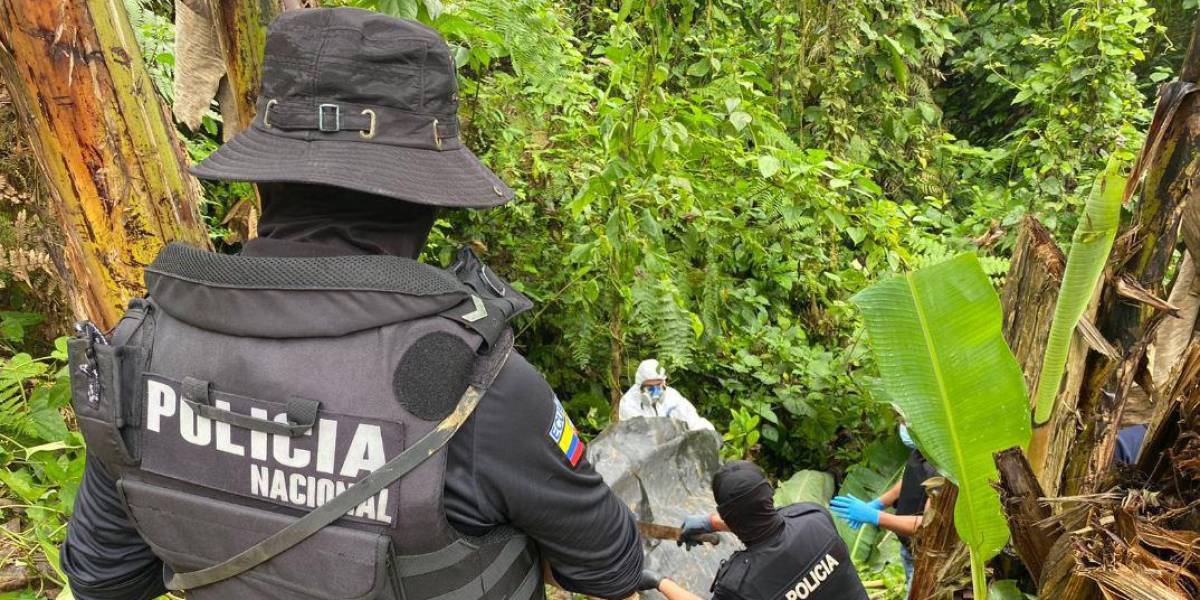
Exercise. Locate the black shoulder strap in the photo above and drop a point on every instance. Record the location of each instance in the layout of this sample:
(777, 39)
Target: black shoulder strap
(493, 301)
(800, 509)
(486, 369)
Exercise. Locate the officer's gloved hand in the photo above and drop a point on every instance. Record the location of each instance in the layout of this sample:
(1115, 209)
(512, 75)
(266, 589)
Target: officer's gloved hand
(693, 527)
(876, 503)
(854, 511)
(650, 580)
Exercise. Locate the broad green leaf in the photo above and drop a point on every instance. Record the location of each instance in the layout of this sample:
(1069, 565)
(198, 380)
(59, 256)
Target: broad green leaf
(19, 368)
(936, 334)
(896, 55)
(26, 594)
(405, 9)
(805, 486)
(44, 419)
(13, 324)
(51, 447)
(48, 424)
(433, 8)
(22, 484)
(1090, 246)
(768, 165)
(60, 349)
(739, 119)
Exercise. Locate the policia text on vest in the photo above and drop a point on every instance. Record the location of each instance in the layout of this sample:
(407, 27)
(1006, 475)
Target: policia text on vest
(305, 471)
(813, 579)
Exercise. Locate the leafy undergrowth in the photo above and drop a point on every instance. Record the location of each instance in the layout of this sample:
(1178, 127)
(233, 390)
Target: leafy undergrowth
(41, 463)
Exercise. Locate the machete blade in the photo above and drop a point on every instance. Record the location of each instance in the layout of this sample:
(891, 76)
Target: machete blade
(655, 531)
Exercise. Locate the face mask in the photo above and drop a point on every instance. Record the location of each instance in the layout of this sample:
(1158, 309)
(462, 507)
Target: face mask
(653, 392)
(907, 439)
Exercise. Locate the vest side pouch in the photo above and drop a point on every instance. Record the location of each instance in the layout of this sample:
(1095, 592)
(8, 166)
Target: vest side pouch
(191, 532)
(102, 404)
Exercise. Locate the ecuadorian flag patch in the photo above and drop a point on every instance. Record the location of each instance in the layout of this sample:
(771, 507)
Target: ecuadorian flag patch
(563, 434)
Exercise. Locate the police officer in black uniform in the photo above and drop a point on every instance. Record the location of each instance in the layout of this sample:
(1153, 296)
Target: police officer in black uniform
(322, 416)
(792, 553)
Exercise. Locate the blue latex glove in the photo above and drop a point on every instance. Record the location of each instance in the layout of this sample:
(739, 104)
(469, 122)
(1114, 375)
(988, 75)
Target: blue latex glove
(877, 503)
(854, 511)
(693, 526)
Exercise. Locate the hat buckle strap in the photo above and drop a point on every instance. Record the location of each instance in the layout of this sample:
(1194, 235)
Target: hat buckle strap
(370, 132)
(267, 113)
(337, 117)
(437, 139)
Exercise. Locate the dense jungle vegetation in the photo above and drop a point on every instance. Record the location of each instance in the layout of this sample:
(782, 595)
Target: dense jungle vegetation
(702, 181)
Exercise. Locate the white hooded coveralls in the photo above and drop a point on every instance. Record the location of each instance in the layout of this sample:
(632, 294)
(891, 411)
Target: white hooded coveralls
(637, 403)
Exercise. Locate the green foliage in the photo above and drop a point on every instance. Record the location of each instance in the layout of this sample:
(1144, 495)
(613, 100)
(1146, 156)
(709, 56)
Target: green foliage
(1052, 88)
(153, 25)
(680, 217)
(13, 325)
(41, 460)
(944, 362)
(706, 181)
(1006, 589)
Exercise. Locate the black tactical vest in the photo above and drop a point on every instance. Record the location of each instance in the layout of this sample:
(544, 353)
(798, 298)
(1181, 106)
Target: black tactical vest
(806, 561)
(248, 403)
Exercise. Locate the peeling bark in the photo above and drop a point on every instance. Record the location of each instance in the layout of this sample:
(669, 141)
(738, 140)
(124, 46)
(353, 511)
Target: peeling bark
(1060, 579)
(105, 142)
(1020, 495)
(1166, 352)
(939, 557)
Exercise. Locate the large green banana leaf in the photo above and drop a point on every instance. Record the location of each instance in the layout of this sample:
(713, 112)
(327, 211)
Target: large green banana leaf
(942, 358)
(1090, 245)
(805, 486)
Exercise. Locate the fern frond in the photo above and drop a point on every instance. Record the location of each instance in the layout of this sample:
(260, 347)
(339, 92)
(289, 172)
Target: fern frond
(535, 37)
(658, 310)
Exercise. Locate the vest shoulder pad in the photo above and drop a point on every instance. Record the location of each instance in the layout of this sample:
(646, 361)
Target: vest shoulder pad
(801, 509)
(493, 302)
(731, 573)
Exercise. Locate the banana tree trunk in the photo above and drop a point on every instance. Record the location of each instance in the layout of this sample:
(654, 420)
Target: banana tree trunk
(105, 142)
(242, 31)
(940, 559)
(1172, 168)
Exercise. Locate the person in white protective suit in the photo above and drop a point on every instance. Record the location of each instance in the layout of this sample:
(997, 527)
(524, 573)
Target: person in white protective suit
(650, 396)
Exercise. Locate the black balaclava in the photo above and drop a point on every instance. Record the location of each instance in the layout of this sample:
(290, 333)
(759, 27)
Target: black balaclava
(746, 502)
(341, 220)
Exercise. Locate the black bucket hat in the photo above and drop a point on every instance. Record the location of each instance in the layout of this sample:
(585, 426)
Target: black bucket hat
(363, 101)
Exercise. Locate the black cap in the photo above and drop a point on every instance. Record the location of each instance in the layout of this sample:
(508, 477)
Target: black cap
(362, 101)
